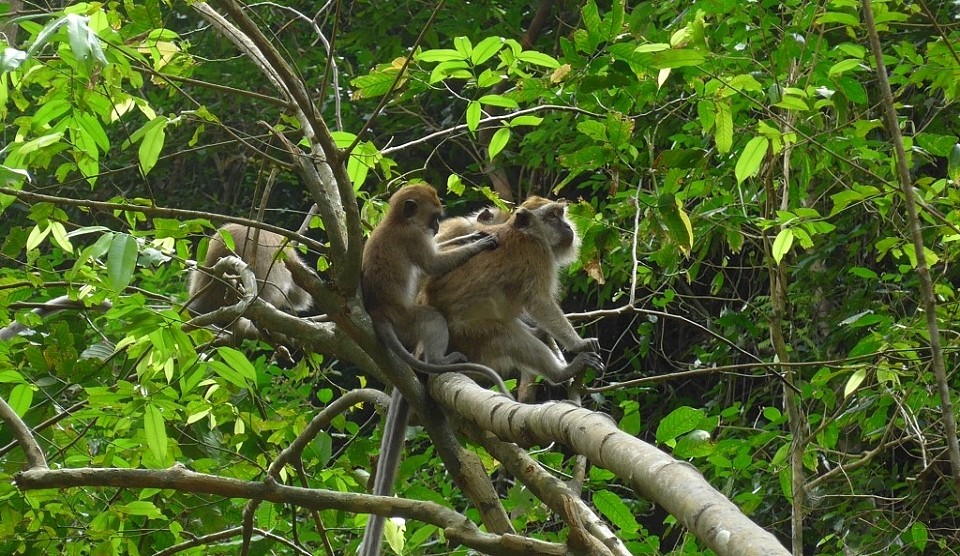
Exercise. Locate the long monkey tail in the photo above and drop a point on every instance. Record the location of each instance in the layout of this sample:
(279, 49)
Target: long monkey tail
(391, 446)
(385, 332)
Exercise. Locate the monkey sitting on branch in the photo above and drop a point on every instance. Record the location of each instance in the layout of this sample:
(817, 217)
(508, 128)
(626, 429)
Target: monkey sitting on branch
(564, 245)
(398, 253)
(270, 256)
(484, 299)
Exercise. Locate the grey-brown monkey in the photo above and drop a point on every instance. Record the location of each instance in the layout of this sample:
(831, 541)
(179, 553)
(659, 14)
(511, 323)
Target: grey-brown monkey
(400, 251)
(484, 298)
(269, 255)
(565, 246)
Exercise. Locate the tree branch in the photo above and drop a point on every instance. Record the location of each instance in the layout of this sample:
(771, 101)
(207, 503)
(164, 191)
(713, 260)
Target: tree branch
(675, 485)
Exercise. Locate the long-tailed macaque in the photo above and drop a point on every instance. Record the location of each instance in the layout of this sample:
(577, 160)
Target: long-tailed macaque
(484, 298)
(564, 244)
(398, 253)
(269, 255)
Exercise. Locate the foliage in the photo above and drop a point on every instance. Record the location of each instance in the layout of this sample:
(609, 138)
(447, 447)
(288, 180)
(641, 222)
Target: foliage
(704, 146)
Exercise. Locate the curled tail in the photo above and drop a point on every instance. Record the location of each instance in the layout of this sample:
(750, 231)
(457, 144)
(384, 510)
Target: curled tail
(386, 333)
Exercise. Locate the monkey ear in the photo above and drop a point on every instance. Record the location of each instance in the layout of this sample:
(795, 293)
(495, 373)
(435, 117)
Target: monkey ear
(485, 216)
(409, 208)
(522, 218)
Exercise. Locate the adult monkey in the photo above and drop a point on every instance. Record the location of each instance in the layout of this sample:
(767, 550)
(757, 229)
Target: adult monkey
(399, 251)
(484, 298)
(564, 245)
(270, 256)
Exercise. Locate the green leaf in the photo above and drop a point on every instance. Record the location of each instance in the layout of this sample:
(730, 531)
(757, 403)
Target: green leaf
(59, 235)
(155, 431)
(854, 382)
(677, 222)
(486, 49)
(21, 398)
(791, 102)
(454, 69)
(36, 236)
(375, 84)
(843, 66)
(936, 144)
(750, 159)
(39, 143)
(613, 508)
(11, 376)
(919, 536)
(677, 58)
(837, 17)
(593, 129)
(153, 138)
(953, 163)
(238, 361)
(121, 261)
(140, 507)
(724, 126)
(652, 47)
(782, 244)
(440, 55)
(455, 185)
(538, 59)
(499, 100)
(678, 422)
(473, 115)
(463, 46)
(525, 119)
(229, 374)
(499, 141)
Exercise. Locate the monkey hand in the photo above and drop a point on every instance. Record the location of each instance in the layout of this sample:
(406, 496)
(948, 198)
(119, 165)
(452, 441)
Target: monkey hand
(585, 360)
(484, 240)
(586, 344)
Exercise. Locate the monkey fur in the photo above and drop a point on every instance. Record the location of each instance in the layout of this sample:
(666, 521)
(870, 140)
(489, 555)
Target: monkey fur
(484, 298)
(398, 253)
(270, 257)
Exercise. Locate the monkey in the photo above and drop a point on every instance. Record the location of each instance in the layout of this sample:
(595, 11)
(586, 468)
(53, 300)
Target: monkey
(565, 245)
(484, 298)
(270, 257)
(400, 250)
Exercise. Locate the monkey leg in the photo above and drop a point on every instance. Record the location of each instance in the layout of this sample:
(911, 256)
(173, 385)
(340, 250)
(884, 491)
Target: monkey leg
(433, 337)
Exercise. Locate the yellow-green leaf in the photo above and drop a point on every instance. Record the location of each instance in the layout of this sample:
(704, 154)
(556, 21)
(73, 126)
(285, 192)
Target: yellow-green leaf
(724, 126)
(782, 244)
(854, 382)
(155, 431)
(750, 159)
(499, 141)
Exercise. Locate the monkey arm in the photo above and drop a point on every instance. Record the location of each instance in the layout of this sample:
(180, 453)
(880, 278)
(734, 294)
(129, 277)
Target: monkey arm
(441, 262)
(548, 315)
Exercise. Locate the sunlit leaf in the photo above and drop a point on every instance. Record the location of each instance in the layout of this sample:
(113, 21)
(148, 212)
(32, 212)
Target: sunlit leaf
(750, 159)
(782, 244)
(121, 261)
(499, 141)
(613, 508)
(155, 431)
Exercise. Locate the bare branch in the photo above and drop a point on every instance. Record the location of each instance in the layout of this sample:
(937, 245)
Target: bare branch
(24, 437)
(675, 485)
(457, 528)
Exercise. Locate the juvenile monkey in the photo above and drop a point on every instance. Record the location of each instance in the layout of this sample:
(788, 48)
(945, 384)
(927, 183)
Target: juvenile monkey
(270, 257)
(398, 253)
(484, 298)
